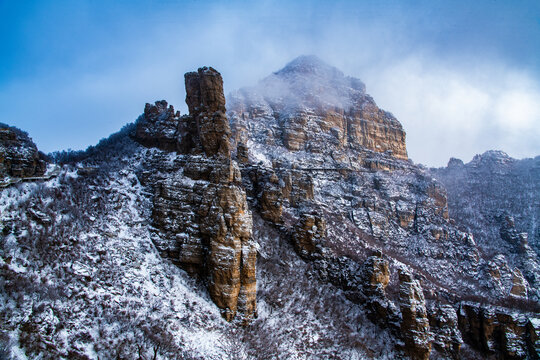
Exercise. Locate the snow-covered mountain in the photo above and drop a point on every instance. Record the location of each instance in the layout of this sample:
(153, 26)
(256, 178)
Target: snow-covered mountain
(288, 224)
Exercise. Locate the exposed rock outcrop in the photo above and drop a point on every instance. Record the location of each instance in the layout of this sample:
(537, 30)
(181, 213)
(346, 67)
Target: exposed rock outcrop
(327, 170)
(415, 322)
(158, 127)
(200, 210)
(206, 103)
(502, 221)
(498, 330)
(375, 278)
(443, 322)
(19, 156)
(308, 234)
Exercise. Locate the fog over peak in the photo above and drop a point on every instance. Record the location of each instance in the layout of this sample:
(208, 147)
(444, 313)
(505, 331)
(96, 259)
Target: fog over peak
(310, 65)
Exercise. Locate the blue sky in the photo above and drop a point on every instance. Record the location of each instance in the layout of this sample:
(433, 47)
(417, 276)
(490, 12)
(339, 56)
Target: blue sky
(462, 77)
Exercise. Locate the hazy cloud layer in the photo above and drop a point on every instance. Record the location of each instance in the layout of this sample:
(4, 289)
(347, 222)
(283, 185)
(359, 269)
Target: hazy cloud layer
(76, 73)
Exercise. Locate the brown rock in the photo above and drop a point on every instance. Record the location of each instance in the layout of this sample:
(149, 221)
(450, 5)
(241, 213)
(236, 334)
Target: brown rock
(338, 115)
(443, 321)
(375, 278)
(309, 232)
(242, 153)
(533, 337)
(270, 196)
(200, 210)
(206, 103)
(493, 329)
(158, 127)
(298, 186)
(376, 274)
(519, 284)
(415, 324)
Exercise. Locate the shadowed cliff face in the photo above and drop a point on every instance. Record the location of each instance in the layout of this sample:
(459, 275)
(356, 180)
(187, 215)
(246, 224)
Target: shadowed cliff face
(19, 156)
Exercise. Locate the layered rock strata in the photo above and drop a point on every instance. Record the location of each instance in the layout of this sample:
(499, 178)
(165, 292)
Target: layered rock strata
(415, 322)
(311, 106)
(327, 171)
(443, 322)
(499, 330)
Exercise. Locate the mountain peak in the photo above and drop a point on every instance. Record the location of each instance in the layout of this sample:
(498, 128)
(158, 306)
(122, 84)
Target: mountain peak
(310, 64)
(492, 157)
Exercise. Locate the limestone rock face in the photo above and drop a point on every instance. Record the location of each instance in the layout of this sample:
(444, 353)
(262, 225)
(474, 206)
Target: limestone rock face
(323, 167)
(375, 279)
(206, 103)
(226, 229)
(158, 127)
(494, 329)
(200, 209)
(311, 106)
(443, 321)
(271, 197)
(415, 322)
(19, 156)
(308, 234)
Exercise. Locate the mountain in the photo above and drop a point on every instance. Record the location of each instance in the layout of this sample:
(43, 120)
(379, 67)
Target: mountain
(496, 198)
(489, 188)
(312, 106)
(284, 221)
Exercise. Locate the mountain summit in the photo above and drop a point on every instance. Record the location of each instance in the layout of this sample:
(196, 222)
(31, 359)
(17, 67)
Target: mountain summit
(310, 64)
(310, 105)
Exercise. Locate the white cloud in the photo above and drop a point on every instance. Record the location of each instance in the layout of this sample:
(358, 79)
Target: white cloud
(455, 111)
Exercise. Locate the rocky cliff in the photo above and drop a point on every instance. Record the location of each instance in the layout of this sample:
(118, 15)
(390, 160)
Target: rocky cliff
(19, 156)
(200, 212)
(311, 106)
(496, 198)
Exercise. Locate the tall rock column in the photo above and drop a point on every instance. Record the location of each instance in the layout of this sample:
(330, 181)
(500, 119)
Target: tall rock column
(206, 103)
(200, 210)
(225, 220)
(415, 322)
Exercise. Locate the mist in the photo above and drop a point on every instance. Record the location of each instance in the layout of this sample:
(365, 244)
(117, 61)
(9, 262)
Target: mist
(461, 79)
